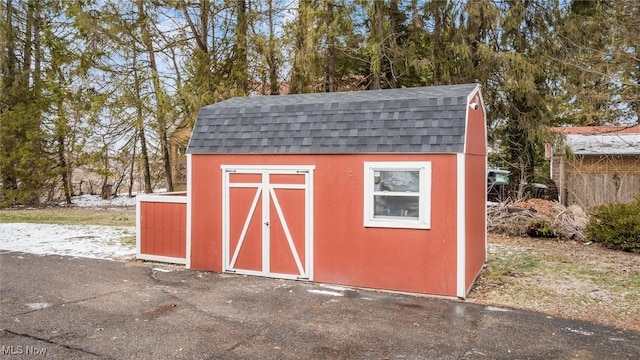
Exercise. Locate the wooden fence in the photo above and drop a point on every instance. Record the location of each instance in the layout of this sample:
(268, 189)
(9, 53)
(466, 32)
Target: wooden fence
(161, 227)
(593, 180)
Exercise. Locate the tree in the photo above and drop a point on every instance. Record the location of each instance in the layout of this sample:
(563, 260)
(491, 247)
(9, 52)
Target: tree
(209, 45)
(161, 98)
(331, 81)
(33, 122)
(598, 55)
(305, 55)
(241, 65)
(521, 103)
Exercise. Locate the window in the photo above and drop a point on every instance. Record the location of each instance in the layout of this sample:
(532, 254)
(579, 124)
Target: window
(397, 194)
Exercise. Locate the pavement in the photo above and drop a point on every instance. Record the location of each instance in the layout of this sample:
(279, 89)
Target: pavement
(58, 307)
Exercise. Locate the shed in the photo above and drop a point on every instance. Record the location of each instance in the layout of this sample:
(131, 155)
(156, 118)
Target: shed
(603, 165)
(379, 189)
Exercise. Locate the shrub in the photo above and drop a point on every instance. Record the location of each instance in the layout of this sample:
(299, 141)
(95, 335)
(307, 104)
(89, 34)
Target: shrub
(616, 226)
(541, 228)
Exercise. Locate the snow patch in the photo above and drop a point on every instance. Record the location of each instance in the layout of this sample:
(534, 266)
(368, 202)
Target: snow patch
(336, 287)
(492, 308)
(325, 292)
(95, 201)
(90, 241)
(579, 331)
(37, 306)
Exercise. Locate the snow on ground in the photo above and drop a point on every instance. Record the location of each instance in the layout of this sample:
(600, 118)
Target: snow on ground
(120, 200)
(95, 201)
(91, 241)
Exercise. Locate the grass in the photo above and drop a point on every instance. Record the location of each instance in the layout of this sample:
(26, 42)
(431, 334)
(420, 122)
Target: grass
(129, 240)
(512, 266)
(564, 279)
(71, 216)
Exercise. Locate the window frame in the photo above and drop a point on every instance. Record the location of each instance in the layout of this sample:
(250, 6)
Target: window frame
(424, 195)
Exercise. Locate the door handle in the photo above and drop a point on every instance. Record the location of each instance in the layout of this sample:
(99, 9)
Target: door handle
(267, 223)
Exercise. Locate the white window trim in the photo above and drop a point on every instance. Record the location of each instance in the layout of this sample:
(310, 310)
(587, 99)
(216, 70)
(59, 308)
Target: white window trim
(424, 196)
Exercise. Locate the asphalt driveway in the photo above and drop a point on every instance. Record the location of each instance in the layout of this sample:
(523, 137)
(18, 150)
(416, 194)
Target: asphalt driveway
(59, 307)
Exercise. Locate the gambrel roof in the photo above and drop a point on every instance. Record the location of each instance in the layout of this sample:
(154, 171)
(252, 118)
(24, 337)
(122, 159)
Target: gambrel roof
(407, 120)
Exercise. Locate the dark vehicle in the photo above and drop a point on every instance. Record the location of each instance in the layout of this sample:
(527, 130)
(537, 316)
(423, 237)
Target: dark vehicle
(498, 187)
(497, 184)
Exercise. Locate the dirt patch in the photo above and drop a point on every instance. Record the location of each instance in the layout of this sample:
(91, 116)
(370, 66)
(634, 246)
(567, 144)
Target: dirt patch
(562, 278)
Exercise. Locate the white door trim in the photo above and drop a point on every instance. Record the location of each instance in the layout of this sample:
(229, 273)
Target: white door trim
(252, 168)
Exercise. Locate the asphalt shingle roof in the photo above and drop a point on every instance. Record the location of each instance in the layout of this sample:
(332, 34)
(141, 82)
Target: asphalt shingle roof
(604, 144)
(408, 120)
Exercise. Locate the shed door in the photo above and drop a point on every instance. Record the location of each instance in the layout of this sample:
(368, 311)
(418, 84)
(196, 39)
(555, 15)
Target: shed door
(267, 221)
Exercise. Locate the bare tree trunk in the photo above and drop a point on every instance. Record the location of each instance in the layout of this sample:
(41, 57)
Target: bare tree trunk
(145, 161)
(133, 163)
(415, 16)
(376, 47)
(274, 87)
(161, 108)
(37, 49)
(62, 162)
(140, 128)
(27, 50)
(204, 24)
(105, 187)
(393, 36)
(120, 179)
(330, 84)
(241, 61)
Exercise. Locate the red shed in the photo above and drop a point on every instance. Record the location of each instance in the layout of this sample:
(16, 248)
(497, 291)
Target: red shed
(379, 189)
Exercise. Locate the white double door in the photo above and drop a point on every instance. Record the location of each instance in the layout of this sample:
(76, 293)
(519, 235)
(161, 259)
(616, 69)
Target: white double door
(267, 221)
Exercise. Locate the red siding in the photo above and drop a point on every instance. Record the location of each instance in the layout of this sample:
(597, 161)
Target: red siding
(163, 229)
(206, 212)
(345, 252)
(476, 129)
(475, 210)
(475, 191)
(292, 204)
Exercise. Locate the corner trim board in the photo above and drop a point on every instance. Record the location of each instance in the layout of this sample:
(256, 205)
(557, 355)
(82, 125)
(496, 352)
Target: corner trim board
(460, 227)
(189, 204)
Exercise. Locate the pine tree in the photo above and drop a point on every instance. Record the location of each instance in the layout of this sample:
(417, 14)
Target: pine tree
(305, 55)
(598, 58)
(240, 72)
(26, 158)
(523, 95)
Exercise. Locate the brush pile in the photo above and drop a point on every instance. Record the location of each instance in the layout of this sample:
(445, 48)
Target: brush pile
(537, 218)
